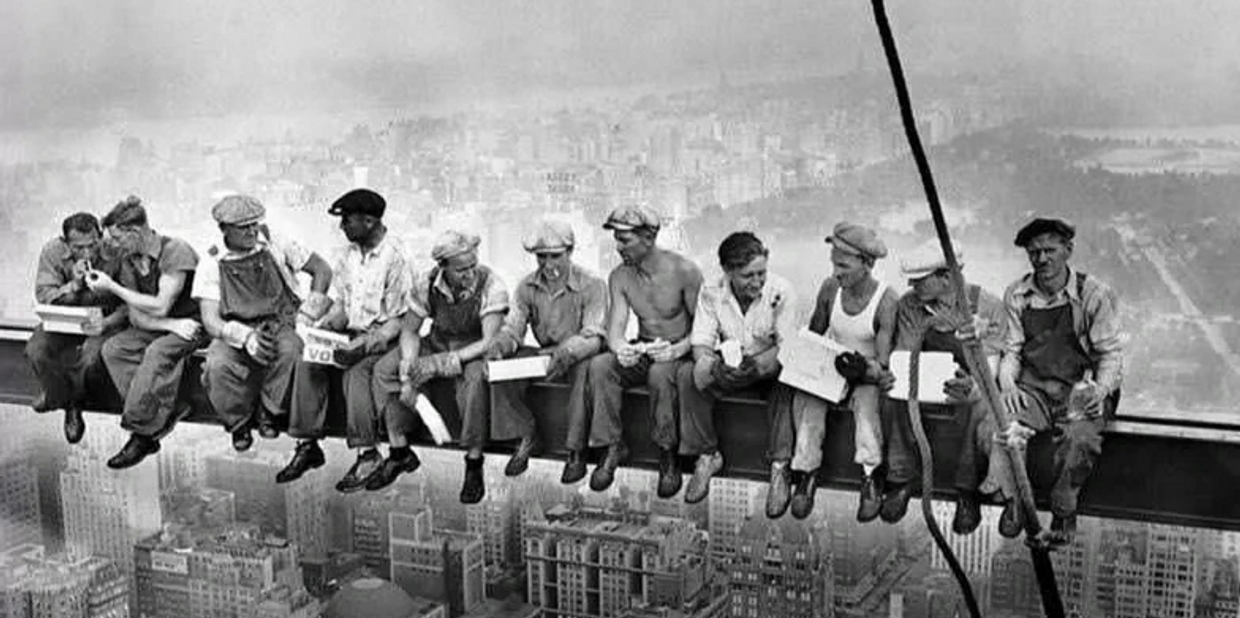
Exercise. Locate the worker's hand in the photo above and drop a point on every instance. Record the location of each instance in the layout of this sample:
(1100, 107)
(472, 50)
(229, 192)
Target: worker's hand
(93, 327)
(706, 371)
(731, 378)
(876, 373)
(560, 361)
(81, 269)
(960, 389)
(494, 352)
(99, 281)
(442, 365)
(1016, 436)
(350, 353)
(1014, 401)
(185, 328)
(662, 352)
(628, 355)
(409, 394)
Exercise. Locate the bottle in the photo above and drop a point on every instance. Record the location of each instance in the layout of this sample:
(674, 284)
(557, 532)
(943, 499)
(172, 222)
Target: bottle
(1079, 399)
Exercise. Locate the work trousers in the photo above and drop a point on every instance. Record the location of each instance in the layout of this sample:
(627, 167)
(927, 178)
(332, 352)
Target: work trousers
(903, 458)
(697, 418)
(311, 384)
(516, 419)
(809, 415)
(236, 383)
(67, 367)
(146, 366)
(608, 379)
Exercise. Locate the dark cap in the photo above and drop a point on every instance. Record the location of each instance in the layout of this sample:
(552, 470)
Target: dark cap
(362, 201)
(1041, 226)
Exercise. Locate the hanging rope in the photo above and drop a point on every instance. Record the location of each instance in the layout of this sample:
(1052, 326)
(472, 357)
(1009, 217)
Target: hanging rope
(975, 359)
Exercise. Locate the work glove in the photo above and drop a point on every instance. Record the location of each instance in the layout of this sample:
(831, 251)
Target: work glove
(853, 367)
(427, 368)
(351, 353)
(314, 307)
(960, 389)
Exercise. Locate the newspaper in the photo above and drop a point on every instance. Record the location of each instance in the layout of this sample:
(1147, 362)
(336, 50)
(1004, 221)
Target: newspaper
(808, 361)
(320, 345)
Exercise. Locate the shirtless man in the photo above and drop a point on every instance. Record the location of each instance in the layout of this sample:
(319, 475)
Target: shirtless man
(661, 287)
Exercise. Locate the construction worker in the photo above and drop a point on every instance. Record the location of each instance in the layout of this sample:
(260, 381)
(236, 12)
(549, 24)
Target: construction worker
(69, 367)
(250, 304)
(1061, 369)
(565, 306)
(147, 359)
(927, 318)
(369, 294)
(466, 303)
(661, 288)
(751, 312)
(857, 312)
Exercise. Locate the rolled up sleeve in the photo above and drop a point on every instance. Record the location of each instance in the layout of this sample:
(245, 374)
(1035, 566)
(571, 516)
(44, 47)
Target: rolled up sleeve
(786, 316)
(515, 323)
(706, 320)
(494, 297)
(1014, 337)
(593, 322)
(1106, 337)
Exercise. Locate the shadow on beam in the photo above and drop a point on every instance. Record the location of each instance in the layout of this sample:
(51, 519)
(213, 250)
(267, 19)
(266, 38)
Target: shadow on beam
(1182, 474)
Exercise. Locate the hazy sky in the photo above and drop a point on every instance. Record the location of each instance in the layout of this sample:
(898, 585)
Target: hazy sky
(67, 62)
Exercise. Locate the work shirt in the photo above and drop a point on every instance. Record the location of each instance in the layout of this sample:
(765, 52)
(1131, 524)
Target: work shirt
(570, 317)
(494, 295)
(55, 270)
(372, 285)
(1095, 321)
(771, 317)
(914, 318)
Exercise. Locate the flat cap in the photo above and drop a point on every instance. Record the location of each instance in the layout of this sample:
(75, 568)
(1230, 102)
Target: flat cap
(238, 210)
(549, 235)
(626, 218)
(363, 201)
(453, 243)
(925, 261)
(1041, 226)
(857, 239)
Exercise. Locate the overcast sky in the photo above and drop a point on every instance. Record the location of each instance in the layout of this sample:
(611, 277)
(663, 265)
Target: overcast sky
(67, 62)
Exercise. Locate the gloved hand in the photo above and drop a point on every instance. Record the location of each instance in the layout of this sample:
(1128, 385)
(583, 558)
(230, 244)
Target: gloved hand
(442, 365)
(960, 388)
(561, 360)
(351, 353)
(853, 367)
(314, 307)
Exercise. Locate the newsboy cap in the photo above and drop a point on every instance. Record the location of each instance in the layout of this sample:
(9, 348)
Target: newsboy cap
(549, 235)
(363, 201)
(925, 261)
(1041, 226)
(453, 243)
(238, 210)
(858, 240)
(627, 218)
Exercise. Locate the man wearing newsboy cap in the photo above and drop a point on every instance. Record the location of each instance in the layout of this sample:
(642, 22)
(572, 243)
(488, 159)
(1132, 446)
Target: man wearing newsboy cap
(928, 318)
(857, 312)
(369, 292)
(466, 302)
(1061, 369)
(565, 306)
(661, 288)
(248, 294)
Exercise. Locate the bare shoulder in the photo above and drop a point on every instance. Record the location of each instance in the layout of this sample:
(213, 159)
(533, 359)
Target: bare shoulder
(686, 269)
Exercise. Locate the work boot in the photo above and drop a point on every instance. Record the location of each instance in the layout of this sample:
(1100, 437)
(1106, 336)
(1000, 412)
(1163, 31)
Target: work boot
(267, 427)
(41, 404)
(708, 464)
(1063, 530)
(895, 502)
(366, 466)
(605, 472)
(805, 486)
(75, 425)
(474, 487)
(520, 461)
(1011, 521)
(134, 451)
(574, 468)
(669, 474)
(308, 456)
(399, 461)
(778, 493)
(242, 439)
(968, 513)
(871, 498)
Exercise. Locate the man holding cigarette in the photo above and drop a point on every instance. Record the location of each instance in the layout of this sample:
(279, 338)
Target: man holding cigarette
(466, 303)
(740, 321)
(250, 306)
(67, 365)
(565, 306)
(370, 294)
(661, 288)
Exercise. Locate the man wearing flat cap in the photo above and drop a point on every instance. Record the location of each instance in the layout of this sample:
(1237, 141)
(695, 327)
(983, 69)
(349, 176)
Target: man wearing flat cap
(369, 293)
(928, 318)
(69, 367)
(147, 359)
(1061, 369)
(248, 294)
(565, 306)
(661, 288)
(466, 303)
(857, 312)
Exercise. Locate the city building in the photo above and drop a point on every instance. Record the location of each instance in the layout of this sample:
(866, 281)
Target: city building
(20, 510)
(371, 597)
(295, 511)
(442, 565)
(202, 507)
(780, 568)
(369, 525)
(32, 586)
(731, 502)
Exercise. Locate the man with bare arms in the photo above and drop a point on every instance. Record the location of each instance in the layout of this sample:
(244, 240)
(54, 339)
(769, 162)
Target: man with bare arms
(661, 288)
